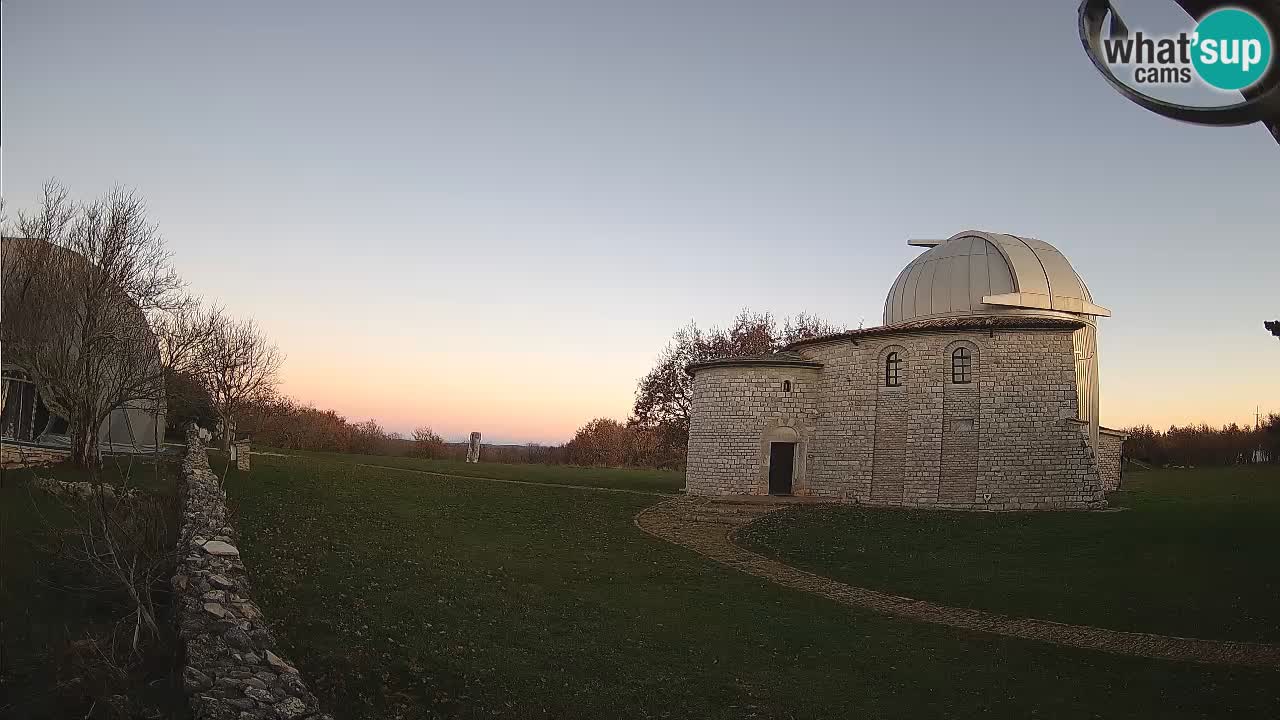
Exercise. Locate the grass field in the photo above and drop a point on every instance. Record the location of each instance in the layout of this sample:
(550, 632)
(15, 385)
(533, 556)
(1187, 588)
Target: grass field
(663, 481)
(402, 594)
(1193, 553)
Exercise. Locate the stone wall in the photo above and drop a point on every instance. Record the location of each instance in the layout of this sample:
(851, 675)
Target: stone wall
(230, 671)
(958, 466)
(735, 410)
(1007, 441)
(240, 450)
(1110, 449)
(890, 450)
(13, 455)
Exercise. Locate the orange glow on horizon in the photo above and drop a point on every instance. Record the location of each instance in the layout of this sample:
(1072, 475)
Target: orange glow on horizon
(545, 397)
(532, 398)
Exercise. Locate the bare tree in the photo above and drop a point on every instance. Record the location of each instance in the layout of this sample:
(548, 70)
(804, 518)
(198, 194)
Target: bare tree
(804, 326)
(664, 396)
(238, 365)
(125, 538)
(94, 314)
(181, 335)
(427, 443)
(80, 289)
(368, 438)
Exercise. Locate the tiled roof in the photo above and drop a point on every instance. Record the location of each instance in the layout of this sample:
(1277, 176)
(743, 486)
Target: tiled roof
(787, 358)
(773, 359)
(988, 322)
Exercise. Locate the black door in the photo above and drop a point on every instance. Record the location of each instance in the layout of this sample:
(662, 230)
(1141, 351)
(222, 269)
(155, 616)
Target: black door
(782, 457)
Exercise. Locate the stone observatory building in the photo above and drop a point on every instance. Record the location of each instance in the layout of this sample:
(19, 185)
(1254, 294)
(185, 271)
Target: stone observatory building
(979, 392)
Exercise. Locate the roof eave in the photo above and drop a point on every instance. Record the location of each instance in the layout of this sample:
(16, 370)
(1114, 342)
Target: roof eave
(692, 368)
(958, 324)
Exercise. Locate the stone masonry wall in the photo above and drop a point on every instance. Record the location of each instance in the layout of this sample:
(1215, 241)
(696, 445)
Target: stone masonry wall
(734, 411)
(1035, 452)
(230, 672)
(890, 448)
(1110, 448)
(958, 469)
(19, 456)
(1007, 441)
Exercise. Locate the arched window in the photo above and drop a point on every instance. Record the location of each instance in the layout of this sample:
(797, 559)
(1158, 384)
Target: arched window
(961, 366)
(893, 370)
(786, 386)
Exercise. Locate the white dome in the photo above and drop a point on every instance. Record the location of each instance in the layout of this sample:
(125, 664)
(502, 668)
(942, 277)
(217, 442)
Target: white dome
(982, 273)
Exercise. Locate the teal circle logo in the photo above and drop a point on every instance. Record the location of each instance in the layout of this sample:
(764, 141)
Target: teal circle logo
(1232, 49)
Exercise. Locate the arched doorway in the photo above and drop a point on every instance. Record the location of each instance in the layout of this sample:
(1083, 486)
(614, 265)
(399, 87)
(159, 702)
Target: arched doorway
(782, 460)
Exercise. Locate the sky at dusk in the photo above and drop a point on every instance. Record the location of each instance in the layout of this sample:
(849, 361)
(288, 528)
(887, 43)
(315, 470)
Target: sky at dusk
(492, 215)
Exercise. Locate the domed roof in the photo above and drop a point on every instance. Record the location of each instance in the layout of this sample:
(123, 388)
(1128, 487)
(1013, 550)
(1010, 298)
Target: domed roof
(982, 273)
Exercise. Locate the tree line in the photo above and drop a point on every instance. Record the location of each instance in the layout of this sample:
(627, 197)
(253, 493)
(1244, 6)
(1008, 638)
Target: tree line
(1195, 445)
(288, 424)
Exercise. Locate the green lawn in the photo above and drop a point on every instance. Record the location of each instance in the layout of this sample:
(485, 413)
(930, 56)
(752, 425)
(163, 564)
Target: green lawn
(1194, 553)
(664, 481)
(409, 595)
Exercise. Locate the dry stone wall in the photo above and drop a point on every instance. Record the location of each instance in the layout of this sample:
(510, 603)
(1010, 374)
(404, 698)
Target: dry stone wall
(231, 671)
(19, 456)
(1009, 440)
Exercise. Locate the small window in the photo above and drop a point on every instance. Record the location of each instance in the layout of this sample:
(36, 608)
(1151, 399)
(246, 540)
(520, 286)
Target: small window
(786, 386)
(961, 366)
(893, 370)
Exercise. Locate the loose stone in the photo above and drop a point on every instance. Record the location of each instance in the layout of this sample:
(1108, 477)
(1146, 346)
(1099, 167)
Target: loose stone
(237, 638)
(277, 664)
(289, 709)
(258, 694)
(194, 680)
(221, 582)
(221, 548)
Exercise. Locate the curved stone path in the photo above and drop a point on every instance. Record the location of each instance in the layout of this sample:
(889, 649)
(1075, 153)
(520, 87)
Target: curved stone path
(709, 528)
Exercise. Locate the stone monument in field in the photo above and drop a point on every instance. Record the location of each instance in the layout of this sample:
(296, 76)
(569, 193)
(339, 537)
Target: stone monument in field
(473, 448)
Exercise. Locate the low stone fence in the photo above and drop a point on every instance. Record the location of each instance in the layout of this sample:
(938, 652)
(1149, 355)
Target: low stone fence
(230, 672)
(82, 490)
(14, 455)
